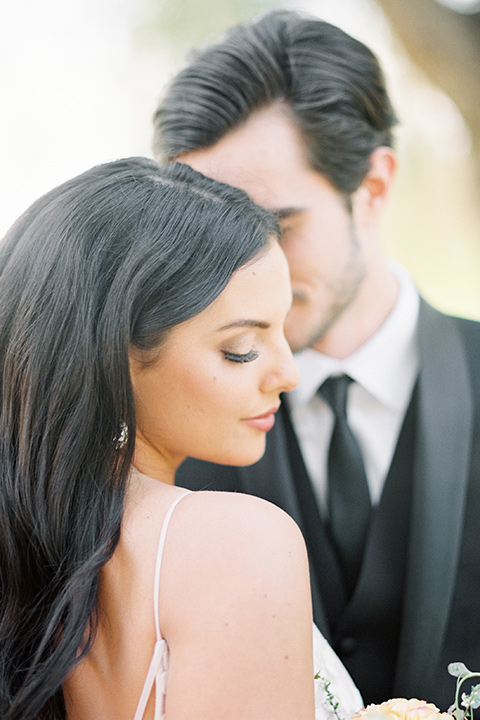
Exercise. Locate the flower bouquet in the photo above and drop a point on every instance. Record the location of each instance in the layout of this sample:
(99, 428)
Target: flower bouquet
(403, 709)
(413, 709)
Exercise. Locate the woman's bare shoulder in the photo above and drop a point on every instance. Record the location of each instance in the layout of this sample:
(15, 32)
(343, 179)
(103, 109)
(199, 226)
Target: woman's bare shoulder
(210, 520)
(237, 539)
(213, 515)
(235, 602)
(243, 543)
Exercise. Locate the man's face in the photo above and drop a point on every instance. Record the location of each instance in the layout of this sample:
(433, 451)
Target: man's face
(266, 157)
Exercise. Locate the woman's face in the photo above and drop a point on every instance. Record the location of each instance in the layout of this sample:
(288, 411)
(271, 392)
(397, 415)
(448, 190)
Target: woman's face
(213, 392)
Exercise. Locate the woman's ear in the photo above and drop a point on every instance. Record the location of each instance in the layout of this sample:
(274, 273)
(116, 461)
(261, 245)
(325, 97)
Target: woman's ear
(369, 199)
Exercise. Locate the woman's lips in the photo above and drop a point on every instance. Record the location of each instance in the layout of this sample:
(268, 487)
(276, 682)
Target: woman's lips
(264, 422)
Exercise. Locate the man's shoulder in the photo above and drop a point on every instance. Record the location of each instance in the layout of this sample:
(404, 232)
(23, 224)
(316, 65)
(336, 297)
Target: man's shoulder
(466, 325)
(468, 330)
(465, 334)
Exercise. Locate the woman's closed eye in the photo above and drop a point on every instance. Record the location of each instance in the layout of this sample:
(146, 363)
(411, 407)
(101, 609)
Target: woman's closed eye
(241, 358)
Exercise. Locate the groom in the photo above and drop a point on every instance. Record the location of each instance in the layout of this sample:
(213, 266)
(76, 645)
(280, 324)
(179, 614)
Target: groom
(295, 112)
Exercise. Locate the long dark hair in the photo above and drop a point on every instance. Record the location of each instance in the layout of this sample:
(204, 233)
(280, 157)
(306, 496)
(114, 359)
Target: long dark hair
(331, 83)
(107, 261)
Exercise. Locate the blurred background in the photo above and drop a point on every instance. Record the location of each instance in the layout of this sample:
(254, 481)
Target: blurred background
(79, 82)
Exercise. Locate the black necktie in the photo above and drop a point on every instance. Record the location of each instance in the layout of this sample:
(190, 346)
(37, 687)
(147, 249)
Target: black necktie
(348, 494)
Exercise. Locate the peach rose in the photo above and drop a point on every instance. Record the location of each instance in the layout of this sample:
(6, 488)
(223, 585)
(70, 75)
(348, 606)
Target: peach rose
(404, 709)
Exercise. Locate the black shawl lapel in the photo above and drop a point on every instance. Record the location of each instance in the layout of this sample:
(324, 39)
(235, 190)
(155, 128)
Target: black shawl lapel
(441, 463)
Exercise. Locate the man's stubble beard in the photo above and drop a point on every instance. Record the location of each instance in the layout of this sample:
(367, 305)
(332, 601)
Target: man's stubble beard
(343, 293)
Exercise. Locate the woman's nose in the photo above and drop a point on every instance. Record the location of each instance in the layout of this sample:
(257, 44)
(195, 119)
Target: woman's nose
(285, 375)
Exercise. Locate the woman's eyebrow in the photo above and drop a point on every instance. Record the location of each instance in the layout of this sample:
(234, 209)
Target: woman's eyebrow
(245, 323)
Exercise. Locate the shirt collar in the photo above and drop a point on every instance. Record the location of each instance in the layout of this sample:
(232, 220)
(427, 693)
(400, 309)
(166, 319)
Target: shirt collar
(390, 380)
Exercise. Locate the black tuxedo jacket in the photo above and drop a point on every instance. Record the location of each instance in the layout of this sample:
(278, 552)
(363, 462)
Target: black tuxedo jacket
(441, 604)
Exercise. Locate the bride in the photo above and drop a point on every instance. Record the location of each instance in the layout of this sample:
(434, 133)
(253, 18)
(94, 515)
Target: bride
(142, 320)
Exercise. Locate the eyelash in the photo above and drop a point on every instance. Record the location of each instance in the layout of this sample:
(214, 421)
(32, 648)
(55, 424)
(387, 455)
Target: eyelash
(247, 357)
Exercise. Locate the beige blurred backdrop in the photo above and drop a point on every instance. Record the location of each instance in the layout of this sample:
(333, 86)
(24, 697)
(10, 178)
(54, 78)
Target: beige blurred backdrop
(79, 81)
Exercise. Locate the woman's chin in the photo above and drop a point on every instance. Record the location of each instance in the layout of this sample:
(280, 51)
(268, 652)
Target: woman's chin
(242, 456)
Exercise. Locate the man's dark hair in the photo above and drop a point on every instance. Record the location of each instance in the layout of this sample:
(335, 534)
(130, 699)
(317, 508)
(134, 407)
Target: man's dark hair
(331, 84)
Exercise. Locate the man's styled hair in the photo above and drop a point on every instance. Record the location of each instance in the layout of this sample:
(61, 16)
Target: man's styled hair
(331, 84)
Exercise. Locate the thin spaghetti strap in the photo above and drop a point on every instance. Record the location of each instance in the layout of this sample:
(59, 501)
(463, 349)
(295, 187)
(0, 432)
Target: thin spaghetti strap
(158, 564)
(156, 674)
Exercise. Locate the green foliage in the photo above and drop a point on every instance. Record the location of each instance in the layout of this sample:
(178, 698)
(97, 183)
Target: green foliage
(331, 700)
(471, 700)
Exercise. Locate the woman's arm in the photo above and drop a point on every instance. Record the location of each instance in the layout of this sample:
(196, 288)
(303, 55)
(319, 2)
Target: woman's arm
(235, 610)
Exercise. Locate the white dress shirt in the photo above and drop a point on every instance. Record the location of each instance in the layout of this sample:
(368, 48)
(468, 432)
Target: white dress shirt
(384, 369)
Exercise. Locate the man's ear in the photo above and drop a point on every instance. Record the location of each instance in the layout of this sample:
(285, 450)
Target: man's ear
(370, 197)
